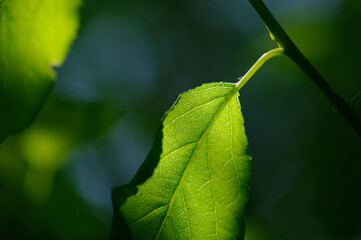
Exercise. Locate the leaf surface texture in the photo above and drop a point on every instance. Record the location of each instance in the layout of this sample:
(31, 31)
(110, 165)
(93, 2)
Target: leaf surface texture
(198, 188)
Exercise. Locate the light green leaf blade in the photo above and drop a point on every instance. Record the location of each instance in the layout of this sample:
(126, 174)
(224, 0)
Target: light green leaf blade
(34, 36)
(198, 188)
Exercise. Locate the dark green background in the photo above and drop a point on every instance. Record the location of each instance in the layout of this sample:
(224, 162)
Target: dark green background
(129, 63)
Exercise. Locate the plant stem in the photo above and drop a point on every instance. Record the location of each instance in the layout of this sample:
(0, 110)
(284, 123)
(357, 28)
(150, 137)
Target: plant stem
(295, 54)
(266, 56)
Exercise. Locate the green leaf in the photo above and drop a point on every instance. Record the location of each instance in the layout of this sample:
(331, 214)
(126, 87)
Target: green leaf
(60, 127)
(193, 184)
(34, 36)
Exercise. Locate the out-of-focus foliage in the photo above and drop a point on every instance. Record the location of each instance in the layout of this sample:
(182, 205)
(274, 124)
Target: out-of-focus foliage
(34, 36)
(55, 133)
(139, 55)
(30, 161)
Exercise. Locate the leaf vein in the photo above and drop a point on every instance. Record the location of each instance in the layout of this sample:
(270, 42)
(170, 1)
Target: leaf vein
(231, 146)
(176, 150)
(217, 87)
(189, 111)
(187, 216)
(148, 215)
(212, 179)
(171, 227)
(228, 96)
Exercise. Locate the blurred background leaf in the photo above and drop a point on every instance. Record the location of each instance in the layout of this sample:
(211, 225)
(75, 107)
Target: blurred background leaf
(134, 58)
(34, 37)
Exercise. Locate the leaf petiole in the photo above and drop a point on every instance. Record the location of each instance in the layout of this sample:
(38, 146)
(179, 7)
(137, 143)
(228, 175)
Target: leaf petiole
(264, 58)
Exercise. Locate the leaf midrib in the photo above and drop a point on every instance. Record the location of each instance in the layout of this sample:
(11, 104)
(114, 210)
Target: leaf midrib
(219, 111)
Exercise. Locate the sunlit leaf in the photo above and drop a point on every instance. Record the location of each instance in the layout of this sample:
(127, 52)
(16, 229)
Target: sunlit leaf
(34, 37)
(193, 184)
